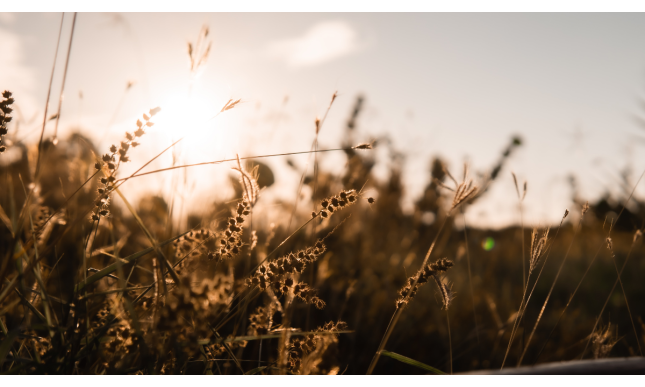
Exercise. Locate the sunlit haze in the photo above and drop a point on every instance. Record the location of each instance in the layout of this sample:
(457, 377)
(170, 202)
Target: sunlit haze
(457, 86)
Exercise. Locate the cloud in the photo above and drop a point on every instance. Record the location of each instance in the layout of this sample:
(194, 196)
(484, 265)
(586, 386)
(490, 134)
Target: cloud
(322, 43)
(14, 74)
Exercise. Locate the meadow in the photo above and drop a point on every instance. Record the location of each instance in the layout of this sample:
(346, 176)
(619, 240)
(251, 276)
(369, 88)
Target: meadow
(338, 282)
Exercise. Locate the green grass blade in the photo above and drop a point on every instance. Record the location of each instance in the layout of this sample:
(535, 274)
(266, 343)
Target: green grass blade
(412, 362)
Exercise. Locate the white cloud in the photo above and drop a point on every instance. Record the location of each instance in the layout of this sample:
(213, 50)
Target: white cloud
(323, 42)
(14, 74)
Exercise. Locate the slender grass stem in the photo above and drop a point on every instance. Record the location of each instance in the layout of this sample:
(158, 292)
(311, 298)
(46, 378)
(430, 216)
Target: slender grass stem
(550, 291)
(62, 88)
(449, 340)
(607, 301)
(399, 311)
(523, 305)
(49, 90)
(568, 303)
(137, 174)
(622, 288)
(470, 278)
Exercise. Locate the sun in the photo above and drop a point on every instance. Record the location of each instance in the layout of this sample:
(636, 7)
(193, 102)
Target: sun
(184, 115)
(190, 117)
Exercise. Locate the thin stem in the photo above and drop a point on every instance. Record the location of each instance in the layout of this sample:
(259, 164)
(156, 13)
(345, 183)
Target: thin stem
(62, 88)
(523, 245)
(397, 313)
(516, 322)
(137, 174)
(624, 263)
(449, 340)
(302, 179)
(470, 279)
(613, 259)
(522, 309)
(550, 290)
(568, 303)
(607, 300)
(49, 90)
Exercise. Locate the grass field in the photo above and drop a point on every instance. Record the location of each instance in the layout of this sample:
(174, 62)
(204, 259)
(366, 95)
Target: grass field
(343, 281)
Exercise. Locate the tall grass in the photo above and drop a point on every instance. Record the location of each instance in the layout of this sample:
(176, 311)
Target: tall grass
(94, 283)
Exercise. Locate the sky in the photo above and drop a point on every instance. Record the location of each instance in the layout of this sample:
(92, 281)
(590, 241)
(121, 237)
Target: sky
(457, 86)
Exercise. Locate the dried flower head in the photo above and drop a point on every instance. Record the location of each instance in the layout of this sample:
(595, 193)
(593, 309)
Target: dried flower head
(5, 117)
(464, 191)
(230, 243)
(538, 245)
(110, 163)
(249, 181)
(610, 243)
(517, 188)
(278, 274)
(198, 53)
(363, 146)
(261, 321)
(304, 354)
(230, 105)
(336, 202)
(432, 270)
(603, 341)
(445, 290)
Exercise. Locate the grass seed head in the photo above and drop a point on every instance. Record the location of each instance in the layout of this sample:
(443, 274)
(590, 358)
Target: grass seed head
(5, 118)
(538, 245)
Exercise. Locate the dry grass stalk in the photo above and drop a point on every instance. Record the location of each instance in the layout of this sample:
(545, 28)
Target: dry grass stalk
(537, 248)
(249, 180)
(603, 341)
(230, 242)
(521, 208)
(62, 89)
(198, 53)
(464, 191)
(280, 275)
(610, 246)
(110, 163)
(132, 332)
(462, 195)
(546, 301)
(538, 244)
(5, 117)
(636, 237)
(230, 105)
(363, 146)
(337, 202)
(306, 354)
(431, 271)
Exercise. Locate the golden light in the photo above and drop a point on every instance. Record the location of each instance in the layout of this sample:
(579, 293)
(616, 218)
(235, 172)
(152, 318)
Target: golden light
(190, 116)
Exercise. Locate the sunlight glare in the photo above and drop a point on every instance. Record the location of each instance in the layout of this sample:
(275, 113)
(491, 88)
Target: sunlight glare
(191, 116)
(184, 115)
